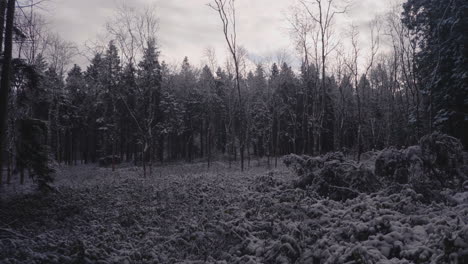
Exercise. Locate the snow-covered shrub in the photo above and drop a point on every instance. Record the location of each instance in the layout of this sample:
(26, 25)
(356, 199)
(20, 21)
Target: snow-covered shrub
(332, 176)
(443, 159)
(441, 151)
(437, 162)
(342, 181)
(297, 163)
(455, 247)
(33, 153)
(265, 183)
(331, 156)
(359, 254)
(392, 165)
(108, 160)
(370, 156)
(304, 164)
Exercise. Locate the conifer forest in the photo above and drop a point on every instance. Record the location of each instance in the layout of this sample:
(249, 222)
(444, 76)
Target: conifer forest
(234, 131)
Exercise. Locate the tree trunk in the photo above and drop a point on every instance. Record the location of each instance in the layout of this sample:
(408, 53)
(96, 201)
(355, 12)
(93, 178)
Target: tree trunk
(3, 6)
(5, 77)
(208, 147)
(202, 146)
(136, 155)
(161, 149)
(277, 141)
(151, 161)
(57, 135)
(21, 175)
(113, 155)
(9, 167)
(242, 150)
(248, 155)
(268, 155)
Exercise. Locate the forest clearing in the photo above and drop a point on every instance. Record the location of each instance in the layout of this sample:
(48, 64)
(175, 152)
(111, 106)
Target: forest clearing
(298, 132)
(189, 213)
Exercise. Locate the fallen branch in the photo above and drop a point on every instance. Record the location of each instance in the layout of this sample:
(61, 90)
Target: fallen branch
(11, 232)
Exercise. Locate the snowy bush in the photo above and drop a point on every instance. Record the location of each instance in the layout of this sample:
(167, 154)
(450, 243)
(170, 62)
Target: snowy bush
(436, 163)
(392, 164)
(33, 154)
(332, 176)
(443, 159)
(339, 181)
(109, 160)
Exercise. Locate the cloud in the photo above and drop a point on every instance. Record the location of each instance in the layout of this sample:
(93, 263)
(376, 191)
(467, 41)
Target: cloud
(188, 27)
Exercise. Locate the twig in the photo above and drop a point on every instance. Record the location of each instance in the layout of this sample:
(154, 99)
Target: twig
(5, 230)
(345, 188)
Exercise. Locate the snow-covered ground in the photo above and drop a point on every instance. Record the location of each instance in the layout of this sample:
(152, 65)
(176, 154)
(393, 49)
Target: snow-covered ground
(185, 213)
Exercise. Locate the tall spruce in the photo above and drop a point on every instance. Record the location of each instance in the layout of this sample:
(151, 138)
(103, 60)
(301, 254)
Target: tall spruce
(439, 30)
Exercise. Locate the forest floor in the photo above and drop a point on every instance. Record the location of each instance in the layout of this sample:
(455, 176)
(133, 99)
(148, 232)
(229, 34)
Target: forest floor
(186, 213)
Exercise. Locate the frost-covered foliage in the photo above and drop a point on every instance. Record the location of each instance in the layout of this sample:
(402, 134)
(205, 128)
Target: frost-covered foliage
(392, 164)
(109, 160)
(188, 215)
(436, 163)
(438, 30)
(33, 154)
(304, 164)
(443, 157)
(332, 176)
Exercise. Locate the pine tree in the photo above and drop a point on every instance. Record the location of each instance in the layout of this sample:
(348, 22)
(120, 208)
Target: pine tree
(439, 30)
(149, 114)
(109, 98)
(76, 96)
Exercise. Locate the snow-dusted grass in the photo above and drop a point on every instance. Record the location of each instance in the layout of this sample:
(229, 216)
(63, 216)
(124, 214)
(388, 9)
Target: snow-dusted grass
(185, 213)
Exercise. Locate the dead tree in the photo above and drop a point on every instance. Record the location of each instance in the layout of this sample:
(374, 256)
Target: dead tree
(353, 66)
(323, 13)
(132, 29)
(227, 13)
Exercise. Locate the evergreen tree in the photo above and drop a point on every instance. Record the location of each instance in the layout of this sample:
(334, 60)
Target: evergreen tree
(149, 115)
(75, 114)
(108, 122)
(439, 30)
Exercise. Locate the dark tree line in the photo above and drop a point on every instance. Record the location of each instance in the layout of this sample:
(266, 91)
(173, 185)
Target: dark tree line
(121, 108)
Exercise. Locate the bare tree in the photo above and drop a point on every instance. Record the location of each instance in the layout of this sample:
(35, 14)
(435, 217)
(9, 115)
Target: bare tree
(3, 8)
(210, 56)
(301, 31)
(404, 50)
(60, 53)
(323, 13)
(354, 68)
(36, 38)
(132, 29)
(227, 13)
(305, 35)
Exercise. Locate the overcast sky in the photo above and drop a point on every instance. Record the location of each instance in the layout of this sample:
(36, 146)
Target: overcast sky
(189, 27)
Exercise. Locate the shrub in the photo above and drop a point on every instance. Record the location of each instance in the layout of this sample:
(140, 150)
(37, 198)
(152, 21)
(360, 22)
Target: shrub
(442, 156)
(107, 161)
(392, 165)
(33, 153)
(436, 163)
(332, 176)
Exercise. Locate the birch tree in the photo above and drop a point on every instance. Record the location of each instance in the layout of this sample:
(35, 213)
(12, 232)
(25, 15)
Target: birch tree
(323, 14)
(227, 13)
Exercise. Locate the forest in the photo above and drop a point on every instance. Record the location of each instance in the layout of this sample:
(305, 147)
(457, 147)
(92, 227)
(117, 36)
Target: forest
(354, 151)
